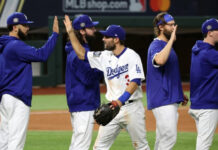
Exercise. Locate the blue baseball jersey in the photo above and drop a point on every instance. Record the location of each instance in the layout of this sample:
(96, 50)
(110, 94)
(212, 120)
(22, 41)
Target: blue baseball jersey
(163, 83)
(82, 82)
(204, 76)
(17, 73)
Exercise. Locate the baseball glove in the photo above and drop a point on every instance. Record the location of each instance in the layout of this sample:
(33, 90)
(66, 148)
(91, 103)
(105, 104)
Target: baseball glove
(106, 112)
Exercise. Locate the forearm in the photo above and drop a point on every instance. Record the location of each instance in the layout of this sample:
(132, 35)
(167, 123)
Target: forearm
(132, 87)
(78, 48)
(128, 92)
(162, 57)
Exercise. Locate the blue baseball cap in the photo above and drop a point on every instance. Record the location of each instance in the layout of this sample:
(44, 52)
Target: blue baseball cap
(167, 18)
(114, 31)
(209, 25)
(18, 18)
(83, 21)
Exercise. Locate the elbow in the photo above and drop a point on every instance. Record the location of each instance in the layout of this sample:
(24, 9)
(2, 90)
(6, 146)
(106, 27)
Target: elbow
(159, 62)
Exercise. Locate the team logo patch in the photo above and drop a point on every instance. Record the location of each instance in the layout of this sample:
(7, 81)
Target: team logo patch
(209, 27)
(82, 24)
(96, 54)
(138, 70)
(15, 20)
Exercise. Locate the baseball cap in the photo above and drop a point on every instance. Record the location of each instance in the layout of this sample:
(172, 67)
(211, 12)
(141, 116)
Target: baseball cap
(209, 25)
(114, 31)
(83, 21)
(167, 18)
(18, 18)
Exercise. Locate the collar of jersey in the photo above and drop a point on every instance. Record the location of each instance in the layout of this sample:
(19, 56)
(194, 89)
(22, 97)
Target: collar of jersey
(121, 52)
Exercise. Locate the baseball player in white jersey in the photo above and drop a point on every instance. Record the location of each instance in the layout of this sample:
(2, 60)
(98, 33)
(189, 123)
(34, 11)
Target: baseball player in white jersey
(123, 73)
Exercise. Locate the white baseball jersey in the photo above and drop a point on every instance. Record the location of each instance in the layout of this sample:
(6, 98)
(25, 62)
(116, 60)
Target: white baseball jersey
(118, 71)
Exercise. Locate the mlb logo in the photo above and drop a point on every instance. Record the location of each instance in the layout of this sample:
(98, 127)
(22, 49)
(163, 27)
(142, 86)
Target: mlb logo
(137, 5)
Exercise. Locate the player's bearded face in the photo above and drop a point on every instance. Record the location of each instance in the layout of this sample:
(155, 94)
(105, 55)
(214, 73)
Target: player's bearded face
(90, 34)
(167, 33)
(93, 42)
(90, 38)
(21, 34)
(109, 45)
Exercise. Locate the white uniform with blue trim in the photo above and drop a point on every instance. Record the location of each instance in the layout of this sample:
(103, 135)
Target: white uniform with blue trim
(118, 72)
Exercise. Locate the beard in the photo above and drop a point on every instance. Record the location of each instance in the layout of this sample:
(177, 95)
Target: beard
(90, 38)
(94, 41)
(110, 46)
(21, 35)
(167, 34)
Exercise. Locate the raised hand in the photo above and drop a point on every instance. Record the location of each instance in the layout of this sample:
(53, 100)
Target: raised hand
(55, 25)
(173, 35)
(68, 24)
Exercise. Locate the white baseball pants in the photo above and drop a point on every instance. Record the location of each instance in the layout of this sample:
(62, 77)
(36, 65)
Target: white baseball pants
(14, 116)
(206, 122)
(132, 118)
(82, 123)
(166, 126)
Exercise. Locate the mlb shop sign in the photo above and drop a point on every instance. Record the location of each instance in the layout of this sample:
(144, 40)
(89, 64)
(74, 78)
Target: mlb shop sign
(104, 6)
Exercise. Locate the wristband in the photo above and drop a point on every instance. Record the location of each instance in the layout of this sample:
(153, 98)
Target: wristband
(123, 98)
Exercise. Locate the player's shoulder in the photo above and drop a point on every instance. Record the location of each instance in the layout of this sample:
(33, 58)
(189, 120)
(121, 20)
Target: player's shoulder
(17, 45)
(104, 53)
(107, 52)
(130, 52)
(20, 44)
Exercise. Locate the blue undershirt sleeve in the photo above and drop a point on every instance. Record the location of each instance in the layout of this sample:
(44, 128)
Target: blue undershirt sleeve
(137, 80)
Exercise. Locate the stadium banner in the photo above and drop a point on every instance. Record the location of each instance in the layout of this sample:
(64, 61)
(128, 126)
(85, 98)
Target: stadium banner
(39, 10)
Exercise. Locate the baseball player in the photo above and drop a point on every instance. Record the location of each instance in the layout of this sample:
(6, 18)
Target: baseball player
(123, 73)
(164, 89)
(204, 84)
(82, 86)
(16, 86)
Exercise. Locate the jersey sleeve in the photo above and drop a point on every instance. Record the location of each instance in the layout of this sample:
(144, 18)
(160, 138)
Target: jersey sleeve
(31, 54)
(84, 73)
(135, 68)
(95, 59)
(155, 48)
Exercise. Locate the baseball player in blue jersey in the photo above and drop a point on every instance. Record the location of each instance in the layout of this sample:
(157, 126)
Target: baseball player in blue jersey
(16, 85)
(204, 84)
(82, 86)
(164, 89)
(123, 73)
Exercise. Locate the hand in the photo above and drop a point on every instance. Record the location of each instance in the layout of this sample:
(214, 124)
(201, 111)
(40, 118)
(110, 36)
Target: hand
(185, 101)
(115, 104)
(68, 24)
(173, 34)
(55, 25)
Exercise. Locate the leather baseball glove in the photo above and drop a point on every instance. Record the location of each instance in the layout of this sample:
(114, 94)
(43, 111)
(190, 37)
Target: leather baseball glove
(106, 112)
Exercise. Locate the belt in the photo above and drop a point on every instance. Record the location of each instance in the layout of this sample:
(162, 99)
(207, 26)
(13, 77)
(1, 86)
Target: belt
(128, 102)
